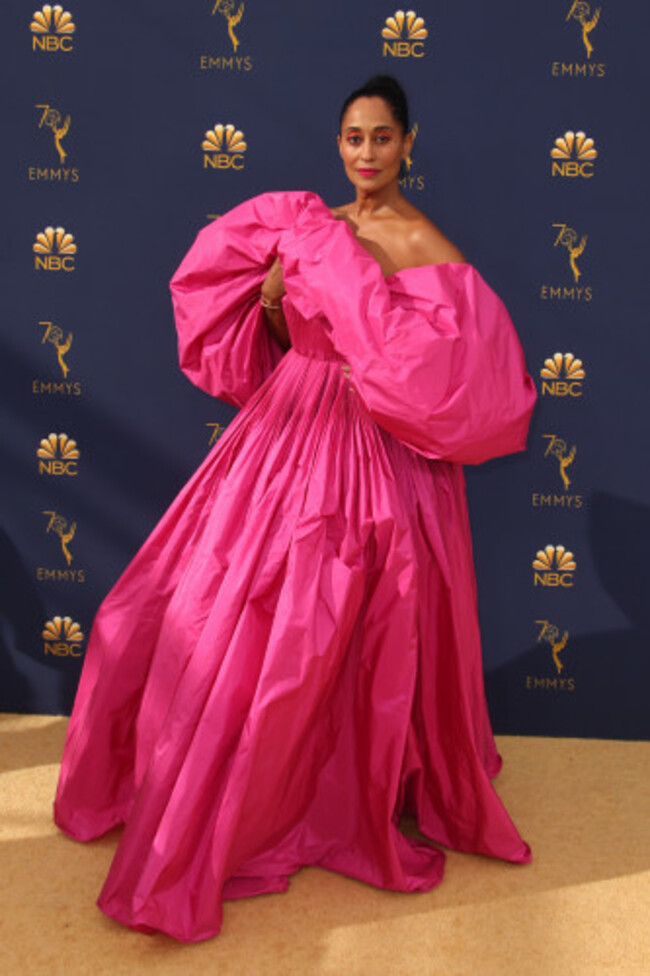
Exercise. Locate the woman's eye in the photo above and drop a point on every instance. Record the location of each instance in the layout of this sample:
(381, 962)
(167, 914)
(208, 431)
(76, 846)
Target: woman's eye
(354, 140)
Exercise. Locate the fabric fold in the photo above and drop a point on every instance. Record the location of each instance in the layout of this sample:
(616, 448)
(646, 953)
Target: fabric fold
(439, 367)
(292, 660)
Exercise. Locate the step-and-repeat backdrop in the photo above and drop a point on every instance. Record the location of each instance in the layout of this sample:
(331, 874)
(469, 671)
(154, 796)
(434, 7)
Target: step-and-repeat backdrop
(129, 125)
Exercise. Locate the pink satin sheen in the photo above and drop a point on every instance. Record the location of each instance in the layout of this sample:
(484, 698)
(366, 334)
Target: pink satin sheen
(292, 660)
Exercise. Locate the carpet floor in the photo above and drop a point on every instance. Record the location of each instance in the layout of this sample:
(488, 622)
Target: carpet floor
(581, 907)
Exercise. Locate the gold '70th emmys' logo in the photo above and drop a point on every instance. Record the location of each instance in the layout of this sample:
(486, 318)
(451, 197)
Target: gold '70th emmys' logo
(54, 335)
(62, 637)
(52, 29)
(562, 375)
(58, 455)
(54, 250)
(554, 566)
(404, 35)
(581, 12)
(567, 237)
(66, 533)
(217, 431)
(51, 119)
(562, 457)
(226, 8)
(573, 156)
(550, 634)
(223, 148)
(558, 449)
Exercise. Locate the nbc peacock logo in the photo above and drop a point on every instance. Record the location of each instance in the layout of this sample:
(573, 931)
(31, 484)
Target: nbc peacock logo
(562, 375)
(62, 637)
(54, 250)
(223, 147)
(58, 455)
(52, 29)
(404, 35)
(573, 155)
(554, 566)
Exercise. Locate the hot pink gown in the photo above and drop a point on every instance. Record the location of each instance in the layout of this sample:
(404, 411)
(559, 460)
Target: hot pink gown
(292, 660)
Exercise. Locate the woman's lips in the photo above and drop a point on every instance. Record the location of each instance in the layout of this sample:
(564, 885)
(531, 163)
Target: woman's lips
(367, 172)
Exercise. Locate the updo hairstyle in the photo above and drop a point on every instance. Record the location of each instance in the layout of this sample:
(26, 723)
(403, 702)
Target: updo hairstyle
(388, 88)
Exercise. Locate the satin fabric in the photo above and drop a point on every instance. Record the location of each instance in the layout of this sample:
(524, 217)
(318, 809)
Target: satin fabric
(292, 660)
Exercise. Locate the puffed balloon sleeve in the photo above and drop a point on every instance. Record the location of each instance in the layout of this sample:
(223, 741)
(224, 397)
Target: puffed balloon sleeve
(224, 345)
(432, 351)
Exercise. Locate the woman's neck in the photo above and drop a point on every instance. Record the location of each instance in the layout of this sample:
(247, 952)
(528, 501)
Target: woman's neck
(369, 204)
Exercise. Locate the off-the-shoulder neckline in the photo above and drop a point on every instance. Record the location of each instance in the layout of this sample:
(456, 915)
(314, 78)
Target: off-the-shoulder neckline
(402, 271)
(417, 269)
(427, 268)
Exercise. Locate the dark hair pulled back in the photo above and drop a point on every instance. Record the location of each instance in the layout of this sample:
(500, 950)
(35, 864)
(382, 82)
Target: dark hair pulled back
(388, 88)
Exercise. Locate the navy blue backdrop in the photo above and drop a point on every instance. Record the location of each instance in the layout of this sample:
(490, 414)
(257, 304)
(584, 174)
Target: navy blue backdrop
(529, 154)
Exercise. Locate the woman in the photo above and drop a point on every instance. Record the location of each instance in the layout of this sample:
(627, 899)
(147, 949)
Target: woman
(292, 660)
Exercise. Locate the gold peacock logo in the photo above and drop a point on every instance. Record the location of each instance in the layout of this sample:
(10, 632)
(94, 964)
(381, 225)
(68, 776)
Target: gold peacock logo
(574, 145)
(224, 147)
(563, 364)
(52, 29)
(554, 566)
(54, 240)
(573, 155)
(54, 250)
(404, 34)
(562, 375)
(58, 455)
(62, 637)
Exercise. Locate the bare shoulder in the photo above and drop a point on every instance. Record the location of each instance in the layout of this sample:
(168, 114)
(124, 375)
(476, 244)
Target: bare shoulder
(342, 212)
(430, 245)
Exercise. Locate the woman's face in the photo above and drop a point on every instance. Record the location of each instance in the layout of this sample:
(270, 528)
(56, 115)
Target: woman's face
(372, 144)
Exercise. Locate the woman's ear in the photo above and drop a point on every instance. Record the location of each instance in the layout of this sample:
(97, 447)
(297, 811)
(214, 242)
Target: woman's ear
(409, 139)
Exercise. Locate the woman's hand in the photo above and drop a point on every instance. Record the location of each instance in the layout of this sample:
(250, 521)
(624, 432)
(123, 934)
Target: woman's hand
(272, 292)
(273, 285)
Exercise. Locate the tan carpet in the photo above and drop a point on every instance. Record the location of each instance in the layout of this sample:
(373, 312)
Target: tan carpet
(582, 907)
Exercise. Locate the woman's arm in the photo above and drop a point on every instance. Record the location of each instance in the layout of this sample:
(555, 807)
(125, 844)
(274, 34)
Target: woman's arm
(271, 300)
